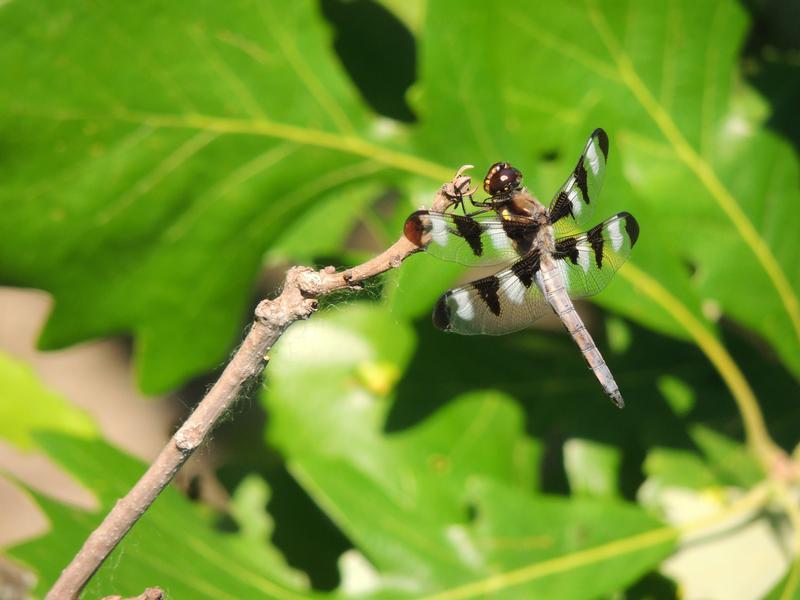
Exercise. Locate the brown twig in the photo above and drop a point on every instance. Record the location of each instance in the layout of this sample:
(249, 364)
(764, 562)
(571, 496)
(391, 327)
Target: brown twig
(297, 301)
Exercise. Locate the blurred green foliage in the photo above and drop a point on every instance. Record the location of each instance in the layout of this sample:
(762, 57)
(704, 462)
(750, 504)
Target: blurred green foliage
(155, 157)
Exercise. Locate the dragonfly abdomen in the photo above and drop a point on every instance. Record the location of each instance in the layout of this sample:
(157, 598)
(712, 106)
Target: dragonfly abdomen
(553, 287)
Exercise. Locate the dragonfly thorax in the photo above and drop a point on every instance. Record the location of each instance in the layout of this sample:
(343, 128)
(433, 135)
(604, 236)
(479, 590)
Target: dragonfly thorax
(523, 203)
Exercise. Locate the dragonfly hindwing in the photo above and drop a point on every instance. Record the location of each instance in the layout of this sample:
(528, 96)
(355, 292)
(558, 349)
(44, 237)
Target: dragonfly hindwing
(590, 259)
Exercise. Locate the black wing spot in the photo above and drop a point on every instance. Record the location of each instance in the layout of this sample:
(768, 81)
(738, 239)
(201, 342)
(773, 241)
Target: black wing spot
(580, 180)
(487, 289)
(526, 269)
(567, 248)
(470, 230)
(602, 140)
(595, 237)
(561, 207)
(441, 313)
(522, 234)
(631, 226)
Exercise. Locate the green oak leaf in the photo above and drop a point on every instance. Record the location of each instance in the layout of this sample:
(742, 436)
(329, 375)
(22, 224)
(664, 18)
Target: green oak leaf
(27, 406)
(667, 467)
(576, 548)
(718, 461)
(247, 508)
(592, 468)
(151, 155)
(466, 477)
(335, 215)
(730, 460)
(448, 507)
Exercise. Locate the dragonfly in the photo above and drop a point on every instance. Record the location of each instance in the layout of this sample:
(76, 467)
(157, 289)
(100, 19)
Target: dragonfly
(548, 255)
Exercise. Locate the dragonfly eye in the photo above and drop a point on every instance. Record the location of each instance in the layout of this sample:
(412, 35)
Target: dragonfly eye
(502, 178)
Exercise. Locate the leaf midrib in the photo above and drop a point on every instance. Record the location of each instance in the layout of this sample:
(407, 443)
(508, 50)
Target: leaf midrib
(346, 143)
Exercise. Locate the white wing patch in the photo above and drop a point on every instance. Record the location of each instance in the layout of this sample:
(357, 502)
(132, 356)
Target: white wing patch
(439, 231)
(464, 308)
(499, 239)
(617, 239)
(584, 257)
(575, 201)
(515, 290)
(594, 160)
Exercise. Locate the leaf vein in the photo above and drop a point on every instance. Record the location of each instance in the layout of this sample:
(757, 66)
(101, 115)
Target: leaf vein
(248, 101)
(307, 76)
(159, 172)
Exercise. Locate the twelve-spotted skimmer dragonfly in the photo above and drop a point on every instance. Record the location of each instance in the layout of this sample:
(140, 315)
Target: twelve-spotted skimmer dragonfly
(554, 256)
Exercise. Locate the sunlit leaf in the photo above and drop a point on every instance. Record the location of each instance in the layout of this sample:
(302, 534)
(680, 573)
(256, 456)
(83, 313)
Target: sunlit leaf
(592, 468)
(678, 468)
(731, 461)
(324, 228)
(28, 406)
(143, 183)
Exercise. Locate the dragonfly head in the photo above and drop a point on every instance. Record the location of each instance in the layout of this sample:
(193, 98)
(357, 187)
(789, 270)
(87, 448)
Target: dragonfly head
(502, 179)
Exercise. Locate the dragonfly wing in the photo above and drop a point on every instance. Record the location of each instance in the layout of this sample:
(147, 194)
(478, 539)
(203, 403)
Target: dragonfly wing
(589, 260)
(501, 303)
(485, 238)
(573, 205)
